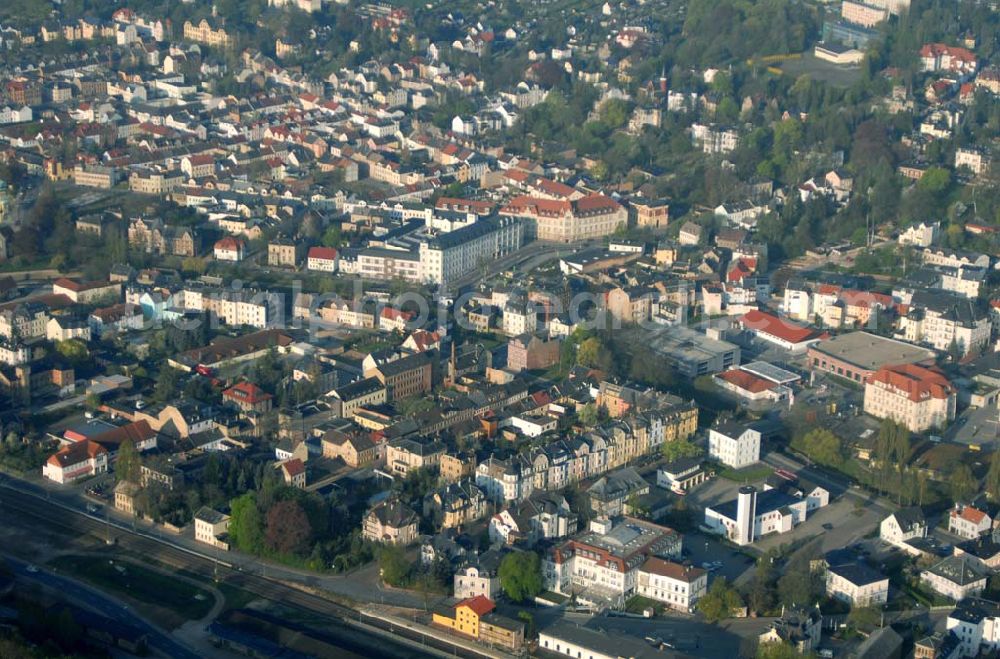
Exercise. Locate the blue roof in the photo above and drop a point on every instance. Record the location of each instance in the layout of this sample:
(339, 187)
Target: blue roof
(767, 501)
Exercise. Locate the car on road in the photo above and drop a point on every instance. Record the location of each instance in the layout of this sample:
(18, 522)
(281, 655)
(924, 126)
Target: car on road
(32, 569)
(828, 526)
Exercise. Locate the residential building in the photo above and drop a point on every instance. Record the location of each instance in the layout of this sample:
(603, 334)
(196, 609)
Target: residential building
(945, 321)
(801, 628)
(402, 456)
(543, 516)
(293, 472)
(975, 626)
(676, 585)
(391, 522)
(602, 565)
(404, 377)
(478, 576)
(456, 504)
(349, 398)
(956, 577)
(903, 525)
(681, 475)
(229, 249)
(857, 584)
(529, 352)
(78, 460)
(204, 32)
(321, 259)
(506, 481)
(212, 527)
(248, 397)
(968, 522)
(284, 253)
(610, 494)
(355, 449)
(734, 445)
(920, 398)
(653, 213)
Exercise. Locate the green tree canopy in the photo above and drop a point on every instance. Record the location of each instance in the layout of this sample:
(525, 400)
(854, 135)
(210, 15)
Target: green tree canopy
(521, 575)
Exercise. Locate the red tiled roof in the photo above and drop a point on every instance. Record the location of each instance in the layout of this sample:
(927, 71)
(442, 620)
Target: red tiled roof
(76, 453)
(293, 467)
(323, 253)
(671, 570)
(480, 604)
(229, 243)
(396, 314)
(970, 514)
(916, 382)
(766, 323)
(746, 381)
(247, 392)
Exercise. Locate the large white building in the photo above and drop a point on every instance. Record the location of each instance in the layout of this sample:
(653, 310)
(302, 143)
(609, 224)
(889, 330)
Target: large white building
(734, 445)
(945, 321)
(76, 461)
(976, 624)
(956, 577)
(857, 584)
(676, 585)
(918, 397)
(753, 514)
(602, 565)
(903, 525)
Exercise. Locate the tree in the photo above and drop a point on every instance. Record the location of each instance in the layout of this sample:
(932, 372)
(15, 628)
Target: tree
(679, 448)
(588, 415)
(992, 484)
(823, 447)
(761, 595)
(589, 352)
(332, 237)
(128, 466)
(246, 528)
(799, 585)
(288, 528)
(167, 384)
(393, 566)
(962, 483)
(720, 601)
(74, 350)
(521, 575)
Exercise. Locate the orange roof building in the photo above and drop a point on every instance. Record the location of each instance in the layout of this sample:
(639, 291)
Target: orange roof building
(919, 397)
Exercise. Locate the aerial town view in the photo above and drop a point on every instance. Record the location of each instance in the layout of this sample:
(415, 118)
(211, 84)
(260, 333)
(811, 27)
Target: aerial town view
(625, 329)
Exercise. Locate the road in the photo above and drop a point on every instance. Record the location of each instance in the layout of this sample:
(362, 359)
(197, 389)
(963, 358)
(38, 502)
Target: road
(367, 635)
(107, 606)
(837, 485)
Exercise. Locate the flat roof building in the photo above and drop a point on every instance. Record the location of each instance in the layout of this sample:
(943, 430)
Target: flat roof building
(857, 355)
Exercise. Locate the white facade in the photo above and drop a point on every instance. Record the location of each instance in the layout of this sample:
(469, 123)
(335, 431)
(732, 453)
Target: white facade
(679, 587)
(737, 452)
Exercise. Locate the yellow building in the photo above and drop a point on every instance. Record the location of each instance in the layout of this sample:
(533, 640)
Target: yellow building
(474, 617)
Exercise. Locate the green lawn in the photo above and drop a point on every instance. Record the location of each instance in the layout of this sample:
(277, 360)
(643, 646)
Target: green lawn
(638, 603)
(749, 474)
(142, 584)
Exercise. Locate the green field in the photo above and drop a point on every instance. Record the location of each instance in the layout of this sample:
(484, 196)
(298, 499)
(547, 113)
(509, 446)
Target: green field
(750, 474)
